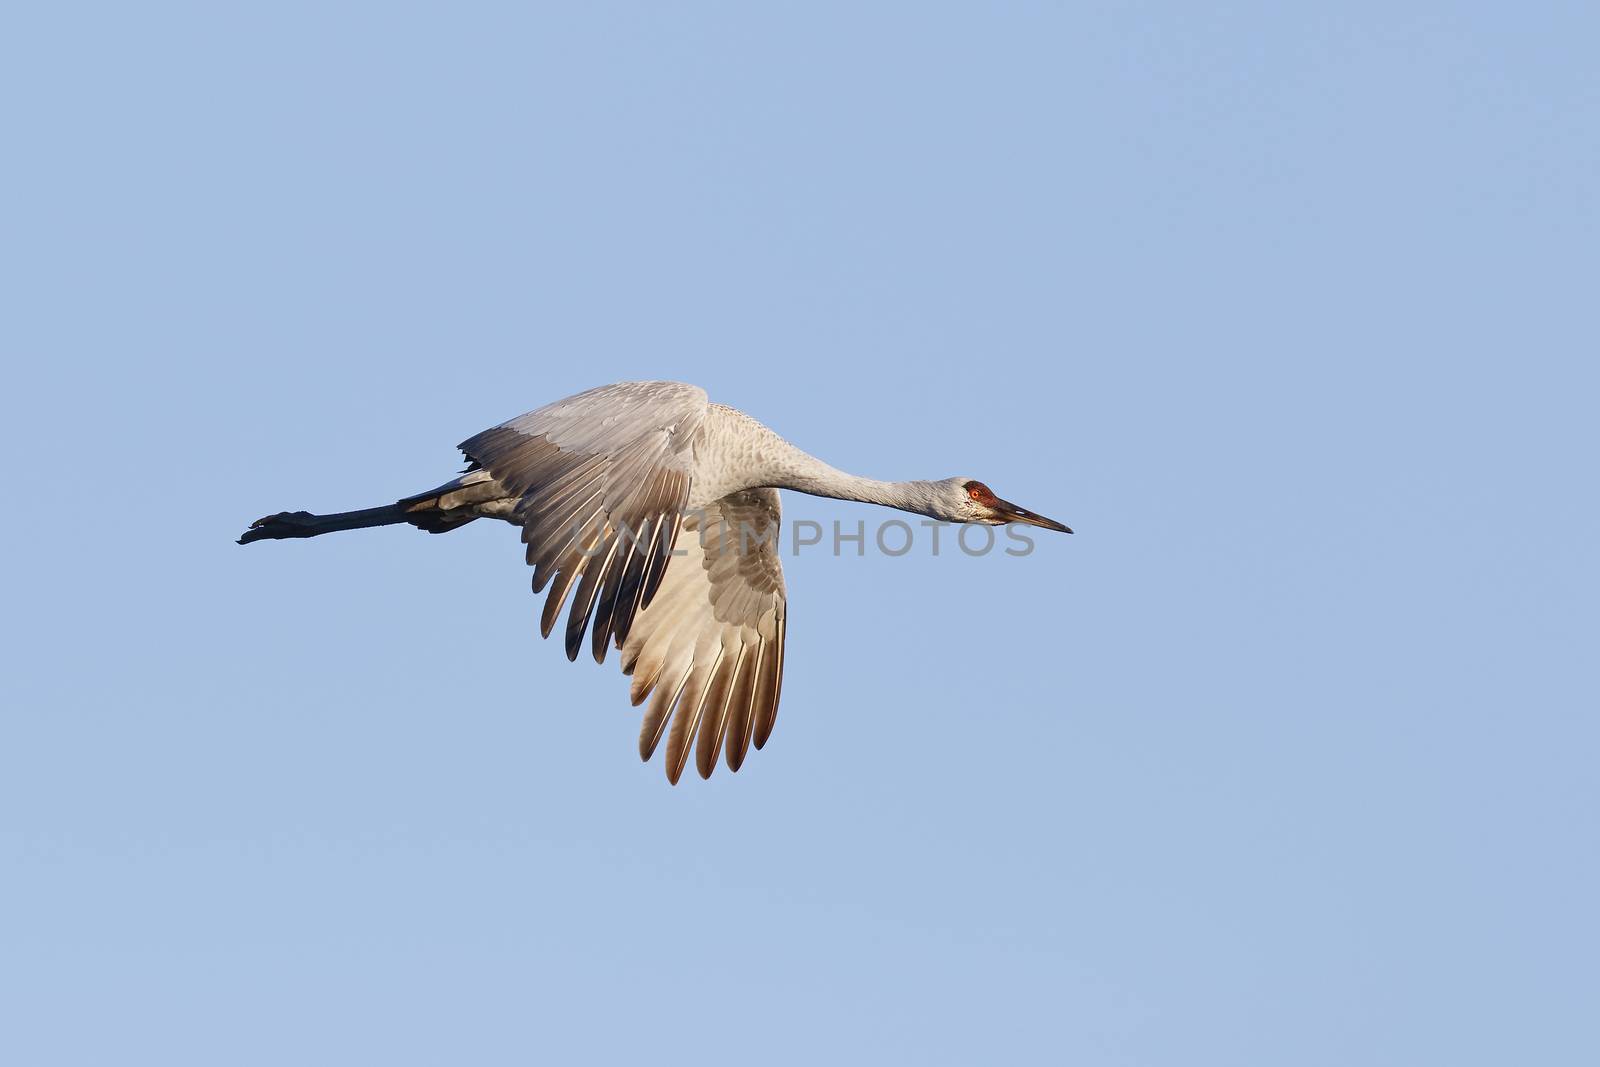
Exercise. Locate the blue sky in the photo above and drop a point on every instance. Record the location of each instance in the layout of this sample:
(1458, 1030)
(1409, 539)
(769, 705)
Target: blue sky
(1286, 757)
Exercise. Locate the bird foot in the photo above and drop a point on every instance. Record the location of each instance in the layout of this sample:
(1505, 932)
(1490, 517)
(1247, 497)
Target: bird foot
(283, 524)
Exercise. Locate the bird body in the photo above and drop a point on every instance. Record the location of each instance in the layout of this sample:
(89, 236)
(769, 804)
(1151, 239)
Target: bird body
(605, 485)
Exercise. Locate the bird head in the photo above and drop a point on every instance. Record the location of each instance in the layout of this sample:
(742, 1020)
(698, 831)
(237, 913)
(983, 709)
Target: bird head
(969, 500)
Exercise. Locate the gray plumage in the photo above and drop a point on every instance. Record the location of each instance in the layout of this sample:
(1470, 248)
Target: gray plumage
(654, 514)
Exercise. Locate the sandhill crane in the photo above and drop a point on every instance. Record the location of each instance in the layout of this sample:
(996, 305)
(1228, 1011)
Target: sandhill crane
(604, 485)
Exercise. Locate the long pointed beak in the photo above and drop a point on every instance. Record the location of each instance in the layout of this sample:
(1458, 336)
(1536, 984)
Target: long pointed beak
(1006, 511)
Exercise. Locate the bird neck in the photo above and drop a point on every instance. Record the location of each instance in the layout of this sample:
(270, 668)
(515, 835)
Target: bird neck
(916, 497)
(805, 473)
(764, 459)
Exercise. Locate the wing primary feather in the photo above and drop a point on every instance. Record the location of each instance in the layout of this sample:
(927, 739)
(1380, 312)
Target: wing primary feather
(557, 523)
(630, 581)
(663, 652)
(605, 611)
(554, 526)
(741, 707)
(583, 600)
(653, 502)
(568, 570)
(659, 560)
(709, 744)
(559, 552)
(631, 599)
(768, 713)
(660, 711)
(687, 720)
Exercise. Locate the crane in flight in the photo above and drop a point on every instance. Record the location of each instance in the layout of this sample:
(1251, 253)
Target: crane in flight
(606, 485)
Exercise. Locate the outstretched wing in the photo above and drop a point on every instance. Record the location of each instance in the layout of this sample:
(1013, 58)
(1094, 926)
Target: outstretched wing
(710, 645)
(603, 480)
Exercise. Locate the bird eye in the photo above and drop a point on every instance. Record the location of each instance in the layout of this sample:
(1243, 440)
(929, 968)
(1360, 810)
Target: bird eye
(979, 492)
